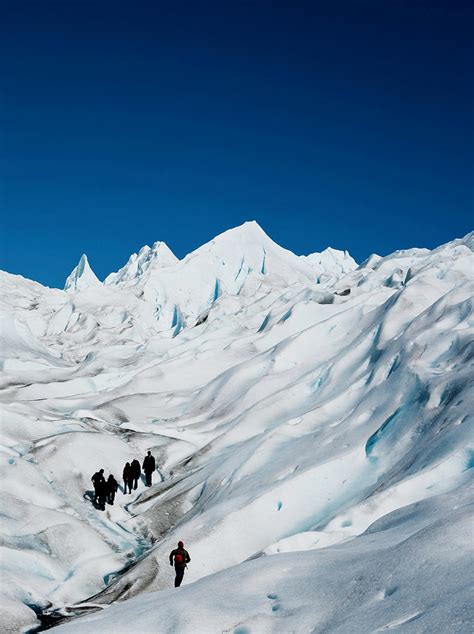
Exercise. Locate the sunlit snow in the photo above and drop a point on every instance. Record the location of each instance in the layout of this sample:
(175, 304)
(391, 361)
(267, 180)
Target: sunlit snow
(312, 424)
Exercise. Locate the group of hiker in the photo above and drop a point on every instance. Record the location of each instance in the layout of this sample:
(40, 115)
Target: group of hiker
(105, 490)
(132, 472)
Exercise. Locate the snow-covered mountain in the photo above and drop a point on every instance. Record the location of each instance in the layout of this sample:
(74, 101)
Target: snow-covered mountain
(143, 262)
(312, 422)
(82, 276)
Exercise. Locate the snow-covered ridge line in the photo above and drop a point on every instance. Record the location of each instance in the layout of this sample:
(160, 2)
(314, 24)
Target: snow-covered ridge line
(167, 295)
(248, 238)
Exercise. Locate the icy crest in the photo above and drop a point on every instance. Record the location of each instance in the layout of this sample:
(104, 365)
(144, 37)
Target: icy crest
(330, 264)
(236, 262)
(82, 276)
(158, 256)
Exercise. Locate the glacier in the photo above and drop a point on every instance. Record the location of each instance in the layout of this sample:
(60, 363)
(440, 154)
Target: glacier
(312, 423)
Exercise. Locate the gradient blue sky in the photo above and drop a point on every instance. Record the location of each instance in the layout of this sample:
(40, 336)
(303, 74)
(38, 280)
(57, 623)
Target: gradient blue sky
(347, 124)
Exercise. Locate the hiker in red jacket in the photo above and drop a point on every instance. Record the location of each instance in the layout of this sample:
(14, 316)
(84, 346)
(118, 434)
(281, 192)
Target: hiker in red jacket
(181, 558)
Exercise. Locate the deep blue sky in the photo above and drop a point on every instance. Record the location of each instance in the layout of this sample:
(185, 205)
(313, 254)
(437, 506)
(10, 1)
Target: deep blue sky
(331, 123)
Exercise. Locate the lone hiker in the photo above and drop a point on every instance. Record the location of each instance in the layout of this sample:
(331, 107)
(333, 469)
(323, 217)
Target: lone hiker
(112, 486)
(181, 558)
(127, 478)
(149, 466)
(97, 478)
(135, 471)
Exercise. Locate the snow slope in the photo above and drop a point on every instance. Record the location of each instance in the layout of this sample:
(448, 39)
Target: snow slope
(307, 414)
(363, 586)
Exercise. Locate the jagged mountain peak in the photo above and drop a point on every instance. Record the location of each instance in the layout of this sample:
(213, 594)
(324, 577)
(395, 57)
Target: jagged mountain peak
(245, 250)
(250, 229)
(82, 276)
(222, 266)
(159, 255)
(331, 255)
(163, 249)
(247, 235)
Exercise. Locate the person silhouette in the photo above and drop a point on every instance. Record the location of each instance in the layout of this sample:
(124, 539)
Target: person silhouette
(127, 478)
(112, 486)
(101, 494)
(97, 480)
(135, 471)
(149, 466)
(180, 557)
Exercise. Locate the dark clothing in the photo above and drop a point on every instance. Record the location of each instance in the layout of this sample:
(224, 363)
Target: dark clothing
(181, 553)
(97, 479)
(183, 558)
(135, 472)
(149, 466)
(112, 486)
(101, 491)
(179, 576)
(135, 468)
(127, 479)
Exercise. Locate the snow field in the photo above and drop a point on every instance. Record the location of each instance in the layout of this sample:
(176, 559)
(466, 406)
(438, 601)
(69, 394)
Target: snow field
(289, 417)
(365, 585)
